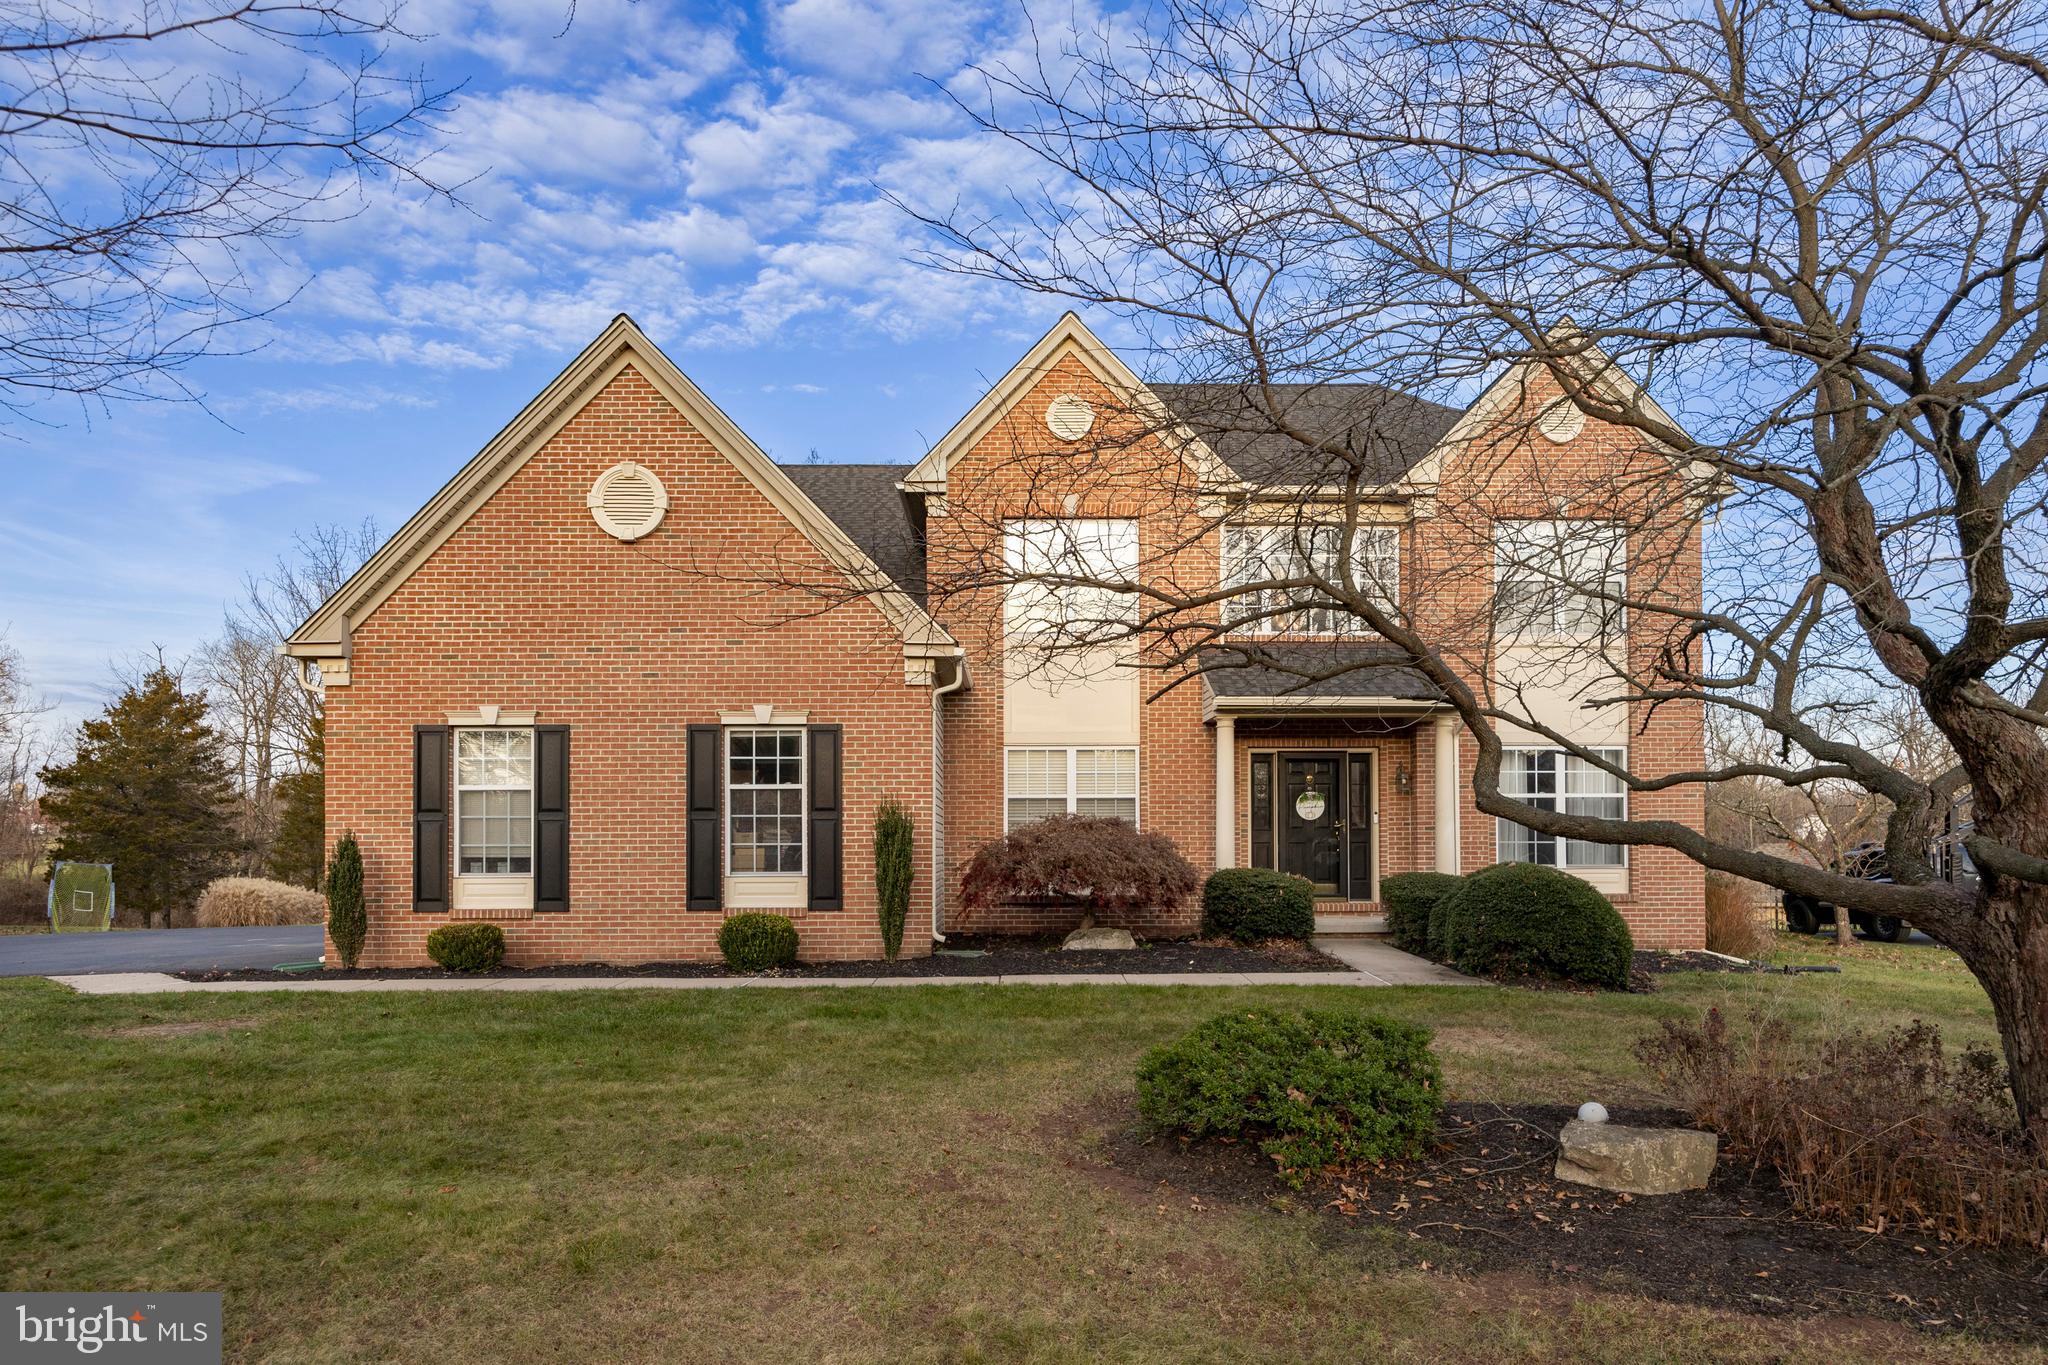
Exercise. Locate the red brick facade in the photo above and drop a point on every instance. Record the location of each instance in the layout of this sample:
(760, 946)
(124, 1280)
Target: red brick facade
(528, 605)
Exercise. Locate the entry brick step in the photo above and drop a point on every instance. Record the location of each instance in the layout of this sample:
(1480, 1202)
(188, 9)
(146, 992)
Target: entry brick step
(1350, 924)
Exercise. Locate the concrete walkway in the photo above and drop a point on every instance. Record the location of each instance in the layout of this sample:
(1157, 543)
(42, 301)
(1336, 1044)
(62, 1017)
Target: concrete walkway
(1374, 964)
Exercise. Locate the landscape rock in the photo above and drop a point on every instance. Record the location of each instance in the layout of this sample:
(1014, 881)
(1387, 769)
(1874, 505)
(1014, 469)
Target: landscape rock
(1611, 1156)
(1100, 938)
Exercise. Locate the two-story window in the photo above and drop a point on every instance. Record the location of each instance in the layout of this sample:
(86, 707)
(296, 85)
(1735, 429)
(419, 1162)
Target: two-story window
(1278, 552)
(1065, 577)
(1551, 779)
(1560, 580)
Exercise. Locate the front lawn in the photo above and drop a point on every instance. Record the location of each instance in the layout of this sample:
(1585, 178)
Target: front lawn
(881, 1173)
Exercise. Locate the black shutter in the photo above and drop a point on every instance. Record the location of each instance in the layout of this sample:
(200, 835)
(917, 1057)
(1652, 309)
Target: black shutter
(701, 778)
(551, 818)
(430, 774)
(1358, 828)
(1262, 810)
(827, 890)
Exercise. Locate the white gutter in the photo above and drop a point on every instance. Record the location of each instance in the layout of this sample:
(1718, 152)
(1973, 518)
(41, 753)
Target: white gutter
(939, 695)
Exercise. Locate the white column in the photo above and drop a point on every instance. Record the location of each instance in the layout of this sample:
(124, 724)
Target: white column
(1447, 794)
(1226, 791)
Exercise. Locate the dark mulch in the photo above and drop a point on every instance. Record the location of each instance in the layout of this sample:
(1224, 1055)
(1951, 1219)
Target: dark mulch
(1487, 1197)
(963, 957)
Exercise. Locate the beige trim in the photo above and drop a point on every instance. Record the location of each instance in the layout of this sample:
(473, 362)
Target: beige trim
(492, 717)
(765, 891)
(763, 714)
(491, 892)
(621, 345)
(1067, 337)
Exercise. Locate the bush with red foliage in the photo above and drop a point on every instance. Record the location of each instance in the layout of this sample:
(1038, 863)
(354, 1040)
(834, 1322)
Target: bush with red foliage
(1887, 1129)
(1097, 866)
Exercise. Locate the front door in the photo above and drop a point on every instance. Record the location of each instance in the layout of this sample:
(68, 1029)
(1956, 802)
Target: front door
(1312, 820)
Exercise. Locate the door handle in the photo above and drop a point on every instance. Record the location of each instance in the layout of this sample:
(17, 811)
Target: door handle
(1337, 824)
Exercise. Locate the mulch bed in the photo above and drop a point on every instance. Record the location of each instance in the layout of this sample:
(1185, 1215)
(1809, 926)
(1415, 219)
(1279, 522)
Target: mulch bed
(1487, 1197)
(964, 957)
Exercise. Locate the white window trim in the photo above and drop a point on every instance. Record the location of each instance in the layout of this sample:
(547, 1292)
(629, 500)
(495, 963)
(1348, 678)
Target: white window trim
(803, 801)
(491, 890)
(1614, 586)
(1347, 624)
(1072, 752)
(1590, 872)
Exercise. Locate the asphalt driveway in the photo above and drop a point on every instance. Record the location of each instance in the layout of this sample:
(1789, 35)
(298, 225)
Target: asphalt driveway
(156, 950)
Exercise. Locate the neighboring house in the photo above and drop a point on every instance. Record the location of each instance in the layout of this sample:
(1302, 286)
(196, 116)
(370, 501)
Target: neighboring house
(611, 684)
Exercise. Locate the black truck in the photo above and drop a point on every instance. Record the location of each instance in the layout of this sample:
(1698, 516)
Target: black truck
(1805, 915)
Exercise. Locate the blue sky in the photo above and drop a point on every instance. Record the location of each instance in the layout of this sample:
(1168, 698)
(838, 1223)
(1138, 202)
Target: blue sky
(718, 173)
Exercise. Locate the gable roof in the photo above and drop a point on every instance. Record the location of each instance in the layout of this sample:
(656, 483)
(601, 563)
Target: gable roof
(325, 634)
(1247, 426)
(864, 501)
(1069, 337)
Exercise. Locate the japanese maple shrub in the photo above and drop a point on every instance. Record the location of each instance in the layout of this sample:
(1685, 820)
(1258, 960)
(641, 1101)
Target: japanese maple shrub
(1327, 1088)
(1098, 866)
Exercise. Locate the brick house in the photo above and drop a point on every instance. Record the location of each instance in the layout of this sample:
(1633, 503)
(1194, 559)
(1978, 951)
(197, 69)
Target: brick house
(624, 674)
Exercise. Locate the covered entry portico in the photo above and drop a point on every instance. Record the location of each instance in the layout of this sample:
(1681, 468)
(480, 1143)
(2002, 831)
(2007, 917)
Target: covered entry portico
(1340, 779)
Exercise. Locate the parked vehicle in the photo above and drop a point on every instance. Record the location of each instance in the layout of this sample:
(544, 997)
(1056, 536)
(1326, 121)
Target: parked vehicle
(1805, 915)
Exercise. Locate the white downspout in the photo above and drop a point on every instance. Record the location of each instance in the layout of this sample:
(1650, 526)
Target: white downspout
(939, 695)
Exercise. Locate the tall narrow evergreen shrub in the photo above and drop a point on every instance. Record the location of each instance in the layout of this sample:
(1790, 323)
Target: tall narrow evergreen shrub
(346, 923)
(893, 872)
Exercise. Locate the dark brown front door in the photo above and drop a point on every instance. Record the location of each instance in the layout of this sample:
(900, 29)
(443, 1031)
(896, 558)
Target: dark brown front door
(1312, 806)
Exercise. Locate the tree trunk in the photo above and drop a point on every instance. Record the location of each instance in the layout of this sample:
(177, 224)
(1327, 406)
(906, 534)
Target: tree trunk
(1845, 933)
(2007, 951)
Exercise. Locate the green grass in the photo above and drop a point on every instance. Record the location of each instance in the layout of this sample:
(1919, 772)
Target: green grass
(828, 1175)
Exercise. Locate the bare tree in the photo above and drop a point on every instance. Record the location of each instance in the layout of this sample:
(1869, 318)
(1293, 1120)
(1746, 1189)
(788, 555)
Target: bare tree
(144, 151)
(23, 750)
(1814, 227)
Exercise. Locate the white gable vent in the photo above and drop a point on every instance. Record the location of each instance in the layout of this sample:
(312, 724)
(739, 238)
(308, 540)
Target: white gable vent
(1561, 421)
(628, 501)
(1069, 418)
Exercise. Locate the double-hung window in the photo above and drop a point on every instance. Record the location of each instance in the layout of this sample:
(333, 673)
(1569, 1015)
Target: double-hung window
(1254, 554)
(494, 803)
(1066, 576)
(764, 801)
(1560, 579)
(1038, 782)
(1551, 779)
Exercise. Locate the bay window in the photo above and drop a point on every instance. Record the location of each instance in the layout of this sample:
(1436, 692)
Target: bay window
(1551, 779)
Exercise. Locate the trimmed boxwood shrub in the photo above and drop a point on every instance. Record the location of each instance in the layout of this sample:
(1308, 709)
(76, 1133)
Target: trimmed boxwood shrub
(1315, 1090)
(467, 947)
(1248, 903)
(1517, 919)
(754, 942)
(1410, 898)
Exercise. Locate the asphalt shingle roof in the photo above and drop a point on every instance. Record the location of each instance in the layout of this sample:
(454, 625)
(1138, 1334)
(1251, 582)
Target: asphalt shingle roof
(1388, 431)
(862, 499)
(1314, 668)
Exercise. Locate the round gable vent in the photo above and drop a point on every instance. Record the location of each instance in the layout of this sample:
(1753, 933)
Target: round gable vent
(1561, 421)
(1069, 417)
(627, 501)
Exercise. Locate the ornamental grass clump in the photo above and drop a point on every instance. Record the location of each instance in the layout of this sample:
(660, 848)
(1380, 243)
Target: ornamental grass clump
(1889, 1131)
(237, 902)
(1319, 1090)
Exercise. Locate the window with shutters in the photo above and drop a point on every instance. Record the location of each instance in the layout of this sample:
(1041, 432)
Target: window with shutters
(764, 802)
(494, 803)
(1038, 782)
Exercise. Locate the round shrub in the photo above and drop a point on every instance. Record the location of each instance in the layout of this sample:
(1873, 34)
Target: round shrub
(754, 942)
(1315, 1090)
(1248, 903)
(467, 947)
(1517, 919)
(1410, 897)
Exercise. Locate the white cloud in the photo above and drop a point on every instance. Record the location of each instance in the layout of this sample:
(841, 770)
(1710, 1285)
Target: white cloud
(876, 42)
(763, 144)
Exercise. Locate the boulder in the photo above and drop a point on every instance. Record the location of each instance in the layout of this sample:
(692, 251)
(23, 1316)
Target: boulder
(1100, 938)
(1636, 1160)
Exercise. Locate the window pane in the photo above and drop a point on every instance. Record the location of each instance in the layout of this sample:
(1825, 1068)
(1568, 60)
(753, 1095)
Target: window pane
(494, 802)
(1022, 811)
(1108, 807)
(764, 802)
